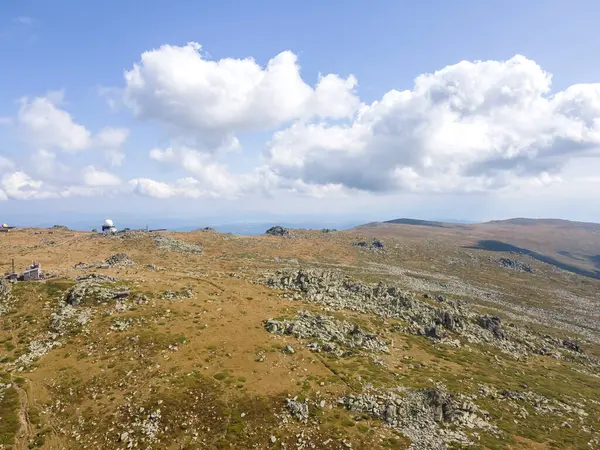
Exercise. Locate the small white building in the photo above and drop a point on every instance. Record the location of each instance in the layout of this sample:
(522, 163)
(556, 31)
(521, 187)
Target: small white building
(5, 228)
(109, 227)
(33, 273)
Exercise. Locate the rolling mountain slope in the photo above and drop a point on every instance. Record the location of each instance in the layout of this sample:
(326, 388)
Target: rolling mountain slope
(306, 339)
(571, 246)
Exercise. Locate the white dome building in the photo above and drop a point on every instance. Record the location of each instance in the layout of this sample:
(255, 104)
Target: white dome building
(109, 227)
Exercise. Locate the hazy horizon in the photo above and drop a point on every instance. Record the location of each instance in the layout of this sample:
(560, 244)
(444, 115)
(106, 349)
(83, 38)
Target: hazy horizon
(251, 226)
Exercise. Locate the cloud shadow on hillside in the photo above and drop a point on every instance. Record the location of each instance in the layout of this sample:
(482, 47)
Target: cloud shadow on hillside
(595, 260)
(498, 246)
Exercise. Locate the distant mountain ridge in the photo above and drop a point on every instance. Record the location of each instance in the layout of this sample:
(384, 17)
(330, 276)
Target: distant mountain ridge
(568, 245)
(551, 222)
(427, 223)
(406, 221)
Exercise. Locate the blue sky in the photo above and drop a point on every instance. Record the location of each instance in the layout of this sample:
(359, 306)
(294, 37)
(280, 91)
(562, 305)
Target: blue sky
(481, 140)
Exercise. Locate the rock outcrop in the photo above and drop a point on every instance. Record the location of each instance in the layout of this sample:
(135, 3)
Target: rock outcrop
(375, 244)
(5, 296)
(171, 244)
(327, 334)
(92, 290)
(515, 265)
(447, 322)
(420, 413)
(277, 231)
(119, 260)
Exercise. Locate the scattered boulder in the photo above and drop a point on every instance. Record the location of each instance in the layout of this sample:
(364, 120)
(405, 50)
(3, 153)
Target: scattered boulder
(420, 414)
(97, 277)
(515, 265)
(328, 334)
(277, 231)
(5, 287)
(334, 290)
(115, 261)
(125, 233)
(289, 350)
(5, 297)
(571, 345)
(206, 229)
(434, 331)
(91, 290)
(492, 324)
(441, 404)
(185, 293)
(171, 244)
(375, 244)
(119, 260)
(122, 294)
(298, 410)
(449, 320)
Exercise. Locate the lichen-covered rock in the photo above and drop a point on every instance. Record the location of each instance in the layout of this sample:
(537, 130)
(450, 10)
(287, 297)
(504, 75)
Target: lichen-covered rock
(420, 414)
(171, 244)
(277, 231)
(119, 260)
(439, 321)
(375, 244)
(5, 287)
(515, 265)
(5, 296)
(327, 333)
(178, 295)
(492, 324)
(298, 410)
(571, 345)
(91, 290)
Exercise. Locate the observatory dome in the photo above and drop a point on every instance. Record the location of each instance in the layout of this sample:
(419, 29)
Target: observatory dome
(108, 223)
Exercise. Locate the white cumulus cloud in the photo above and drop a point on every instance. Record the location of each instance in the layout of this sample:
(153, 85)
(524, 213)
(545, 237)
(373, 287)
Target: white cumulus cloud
(157, 189)
(94, 177)
(212, 100)
(110, 140)
(46, 125)
(211, 179)
(20, 186)
(482, 126)
(472, 126)
(45, 165)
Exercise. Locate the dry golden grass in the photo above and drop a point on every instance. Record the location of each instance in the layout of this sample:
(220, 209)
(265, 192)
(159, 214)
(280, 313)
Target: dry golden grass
(213, 345)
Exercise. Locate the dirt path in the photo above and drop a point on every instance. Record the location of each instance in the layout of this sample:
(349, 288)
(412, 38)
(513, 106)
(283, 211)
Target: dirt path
(25, 430)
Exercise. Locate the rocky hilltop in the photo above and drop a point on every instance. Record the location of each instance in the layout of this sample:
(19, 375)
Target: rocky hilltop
(297, 339)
